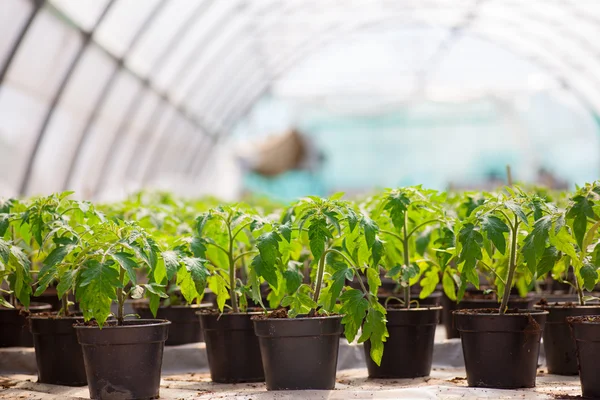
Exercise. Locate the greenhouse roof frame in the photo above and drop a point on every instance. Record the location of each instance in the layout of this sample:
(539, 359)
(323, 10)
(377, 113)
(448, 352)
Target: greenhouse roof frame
(237, 49)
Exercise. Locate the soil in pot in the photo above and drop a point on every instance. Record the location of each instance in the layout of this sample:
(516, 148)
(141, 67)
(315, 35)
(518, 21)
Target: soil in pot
(123, 362)
(14, 327)
(57, 352)
(299, 353)
(500, 351)
(586, 333)
(475, 300)
(559, 346)
(408, 351)
(434, 299)
(232, 347)
(184, 327)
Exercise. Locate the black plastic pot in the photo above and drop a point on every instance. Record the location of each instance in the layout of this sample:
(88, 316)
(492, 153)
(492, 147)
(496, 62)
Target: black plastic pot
(14, 328)
(586, 332)
(299, 353)
(123, 362)
(500, 351)
(521, 303)
(232, 347)
(559, 346)
(408, 351)
(184, 327)
(57, 352)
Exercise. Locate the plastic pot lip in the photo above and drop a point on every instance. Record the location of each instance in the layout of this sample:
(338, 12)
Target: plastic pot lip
(55, 317)
(418, 309)
(559, 306)
(520, 313)
(33, 306)
(148, 323)
(320, 318)
(144, 305)
(221, 315)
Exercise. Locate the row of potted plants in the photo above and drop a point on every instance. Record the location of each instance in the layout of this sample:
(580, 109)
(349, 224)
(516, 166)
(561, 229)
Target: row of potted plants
(287, 283)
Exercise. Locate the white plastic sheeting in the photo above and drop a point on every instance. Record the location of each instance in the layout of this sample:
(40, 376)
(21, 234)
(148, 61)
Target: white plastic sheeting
(107, 96)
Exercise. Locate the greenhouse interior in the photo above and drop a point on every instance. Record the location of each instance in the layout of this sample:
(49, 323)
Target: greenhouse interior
(299, 199)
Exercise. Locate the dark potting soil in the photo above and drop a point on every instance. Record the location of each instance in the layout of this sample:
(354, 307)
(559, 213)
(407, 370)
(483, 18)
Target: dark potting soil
(215, 311)
(543, 302)
(401, 307)
(585, 318)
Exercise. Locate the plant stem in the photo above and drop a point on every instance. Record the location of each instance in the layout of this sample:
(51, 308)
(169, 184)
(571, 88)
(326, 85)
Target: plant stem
(578, 289)
(65, 305)
(406, 260)
(234, 302)
(421, 225)
(319, 282)
(121, 299)
(512, 266)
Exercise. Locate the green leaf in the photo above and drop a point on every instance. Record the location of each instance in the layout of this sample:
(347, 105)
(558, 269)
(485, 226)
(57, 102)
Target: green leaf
(589, 274)
(171, 261)
(66, 282)
(338, 281)
(449, 287)
(375, 330)
(156, 289)
(4, 223)
(198, 248)
(293, 280)
(97, 290)
(397, 204)
(267, 271)
(57, 255)
(197, 269)
(495, 229)
(318, 232)
(549, 259)
(517, 210)
(535, 242)
(370, 228)
(201, 222)
(218, 285)
(4, 251)
(127, 264)
(422, 242)
(268, 246)
(186, 285)
(352, 219)
(286, 231)
(377, 251)
(581, 208)
(429, 283)
(354, 308)
(471, 241)
(373, 280)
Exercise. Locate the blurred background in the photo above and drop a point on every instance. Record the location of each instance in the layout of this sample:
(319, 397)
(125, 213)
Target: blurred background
(285, 98)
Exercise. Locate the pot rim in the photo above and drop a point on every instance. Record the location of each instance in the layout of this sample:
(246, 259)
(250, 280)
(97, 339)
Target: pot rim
(199, 306)
(559, 305)
(520, 312)
(159, 322)
(220, 314)
(432, 308)
(55, 317)
(340, 316)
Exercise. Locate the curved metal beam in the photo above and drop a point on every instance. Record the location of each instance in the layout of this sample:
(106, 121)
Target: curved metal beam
(133, 108)
(86, 39)
(37, 5)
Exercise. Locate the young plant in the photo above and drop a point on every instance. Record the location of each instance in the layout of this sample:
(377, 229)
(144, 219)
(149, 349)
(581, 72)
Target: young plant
(581, 249)
(412, 219)
(58, 224)
(342, 243)
(103, 268)
(514, 235)
(225, 237)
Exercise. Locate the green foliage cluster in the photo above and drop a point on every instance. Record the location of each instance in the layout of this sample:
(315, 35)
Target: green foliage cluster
(315, 257)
